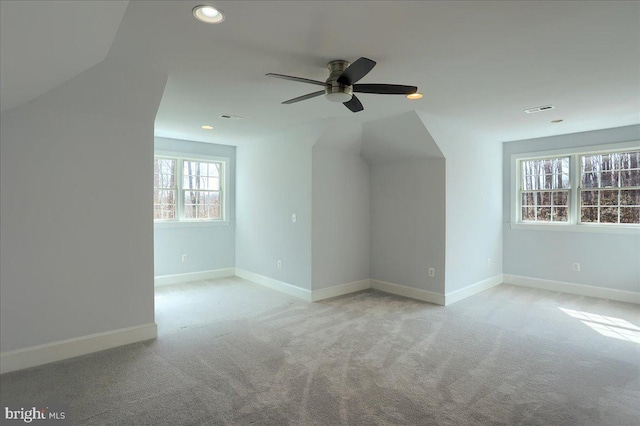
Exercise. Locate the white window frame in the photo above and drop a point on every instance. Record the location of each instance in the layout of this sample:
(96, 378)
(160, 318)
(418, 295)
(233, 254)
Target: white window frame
(225, 174)
(573, 224)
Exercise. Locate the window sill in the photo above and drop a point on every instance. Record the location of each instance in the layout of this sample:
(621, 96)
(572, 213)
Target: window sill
(190, 224)
(605, 229)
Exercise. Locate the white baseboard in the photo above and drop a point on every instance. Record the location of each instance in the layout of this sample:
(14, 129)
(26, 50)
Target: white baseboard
(56, 351)
(413, 293)
(472, 289)
(193, 276)
(291, 290)
(571, 288)
(340, 290)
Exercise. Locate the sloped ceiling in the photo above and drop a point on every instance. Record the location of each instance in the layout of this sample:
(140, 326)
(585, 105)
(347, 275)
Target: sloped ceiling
(398, 139)
(478, 63)
(46, 43)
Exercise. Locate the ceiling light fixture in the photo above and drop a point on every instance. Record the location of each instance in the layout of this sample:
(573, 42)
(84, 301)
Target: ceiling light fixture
(207, 127)
(414, 96)
(208, 14)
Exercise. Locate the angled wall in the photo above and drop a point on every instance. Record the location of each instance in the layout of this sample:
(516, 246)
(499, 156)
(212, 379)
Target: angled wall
(474, 200)
(407, 178)
(76, 209)
(340, 207)
(273, 182)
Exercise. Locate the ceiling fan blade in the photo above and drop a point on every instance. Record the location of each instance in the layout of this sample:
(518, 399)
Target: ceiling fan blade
(304, 97)
(356, 71)
(298, 79)
(385, 89)
(354, 104)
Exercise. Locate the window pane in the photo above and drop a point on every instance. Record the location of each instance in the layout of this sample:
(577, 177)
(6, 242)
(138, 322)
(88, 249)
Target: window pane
(609, 198)
(589, 198)
(201, 175)
(559, 214)
(528, 199)
(560, 198)
(560, 181)
(543, 176)
(609, 215)
(630, 197)
(630, 178)
(589, 180)
(544, 198)
(164, 172)
(544, 213)
(589, 214)
(529, 183)
(157, 212)
(606, 162)
(630, 215)
(202, 205)
(529, 214)
(189, 211)
(610, 170)
(608, 179)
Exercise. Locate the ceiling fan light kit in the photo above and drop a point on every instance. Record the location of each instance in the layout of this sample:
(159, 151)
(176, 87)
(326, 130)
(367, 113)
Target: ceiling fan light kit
(340, 86)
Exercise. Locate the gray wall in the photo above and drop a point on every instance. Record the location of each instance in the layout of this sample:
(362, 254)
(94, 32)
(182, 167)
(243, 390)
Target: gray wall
(76, 231)
(473, 199)
(340, 207)
(273, 181)
(407, 223)
(207, 246)
(407, 181)
(607, 260)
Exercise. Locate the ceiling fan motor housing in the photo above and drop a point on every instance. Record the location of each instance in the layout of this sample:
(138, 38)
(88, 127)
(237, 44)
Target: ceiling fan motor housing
(334, 91)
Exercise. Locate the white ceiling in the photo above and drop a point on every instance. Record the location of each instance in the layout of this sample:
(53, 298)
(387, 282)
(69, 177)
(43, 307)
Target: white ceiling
(479, 64)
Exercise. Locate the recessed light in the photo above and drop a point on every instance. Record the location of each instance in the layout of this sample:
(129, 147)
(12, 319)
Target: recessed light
(414, 96)
(208, 14)
(207, 127)
(557, 121)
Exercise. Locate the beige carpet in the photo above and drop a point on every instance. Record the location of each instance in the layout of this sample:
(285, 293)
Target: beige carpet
(233, 353)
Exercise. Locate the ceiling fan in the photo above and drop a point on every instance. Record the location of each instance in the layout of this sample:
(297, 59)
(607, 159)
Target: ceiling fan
(341, 85)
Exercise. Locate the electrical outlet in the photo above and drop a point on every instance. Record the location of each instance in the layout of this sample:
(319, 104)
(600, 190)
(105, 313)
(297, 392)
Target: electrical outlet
(576, 267)
(184, 258)
(432, 272)
(294, 218)
(279, 264)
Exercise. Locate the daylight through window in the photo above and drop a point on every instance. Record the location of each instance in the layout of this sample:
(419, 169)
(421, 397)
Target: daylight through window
(188, 189)
(545, 190)
(610, 188)
(607, 189)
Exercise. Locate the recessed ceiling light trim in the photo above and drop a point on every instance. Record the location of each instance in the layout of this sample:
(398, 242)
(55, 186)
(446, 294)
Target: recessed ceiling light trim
(208, 14)
(207, 127)
(539, 109)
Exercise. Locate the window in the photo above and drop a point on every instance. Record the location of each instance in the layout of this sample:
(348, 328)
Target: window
(187, 189)
(164, 189)
(545, 190)
(583, 188)
(610, 188)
